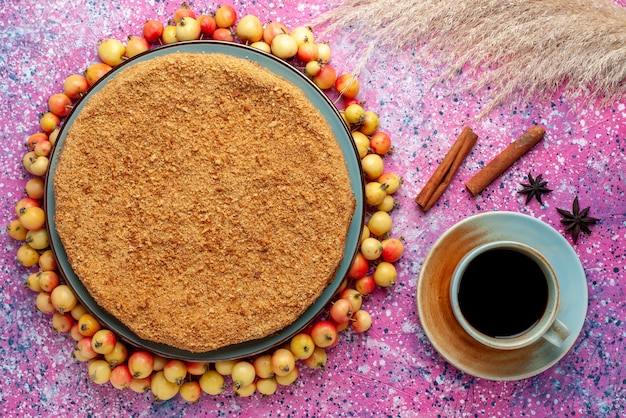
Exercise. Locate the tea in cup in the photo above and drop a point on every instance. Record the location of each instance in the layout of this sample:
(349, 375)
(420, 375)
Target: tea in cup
(506, 296)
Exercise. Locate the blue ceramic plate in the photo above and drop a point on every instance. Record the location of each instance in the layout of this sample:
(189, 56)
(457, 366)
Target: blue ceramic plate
(435, 309)
(344, 138)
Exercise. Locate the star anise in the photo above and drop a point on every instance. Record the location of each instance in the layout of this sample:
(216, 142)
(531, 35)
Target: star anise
(577, 220)
(534, 188)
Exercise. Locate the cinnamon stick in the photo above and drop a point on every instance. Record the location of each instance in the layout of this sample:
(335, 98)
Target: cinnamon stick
(440, 179)
(505, 159)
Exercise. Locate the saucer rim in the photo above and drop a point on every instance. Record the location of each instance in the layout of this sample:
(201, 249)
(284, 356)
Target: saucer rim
(486, 222)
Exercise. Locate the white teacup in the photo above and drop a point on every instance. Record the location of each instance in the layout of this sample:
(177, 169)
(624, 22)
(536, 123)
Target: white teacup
(505, 295)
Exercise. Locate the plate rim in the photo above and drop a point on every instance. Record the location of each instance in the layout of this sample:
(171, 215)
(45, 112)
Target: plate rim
(353, 165)
(574, 264)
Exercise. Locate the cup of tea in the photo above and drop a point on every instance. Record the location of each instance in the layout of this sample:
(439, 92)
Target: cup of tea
(505, 295)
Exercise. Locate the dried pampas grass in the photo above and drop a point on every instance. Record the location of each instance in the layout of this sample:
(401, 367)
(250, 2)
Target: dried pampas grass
(519, 48)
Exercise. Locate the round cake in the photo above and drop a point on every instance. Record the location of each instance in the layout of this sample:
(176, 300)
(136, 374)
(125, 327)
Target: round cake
(202, 200)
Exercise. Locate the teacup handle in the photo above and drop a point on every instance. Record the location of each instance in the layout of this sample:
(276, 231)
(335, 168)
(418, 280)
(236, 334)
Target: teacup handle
(557, 333)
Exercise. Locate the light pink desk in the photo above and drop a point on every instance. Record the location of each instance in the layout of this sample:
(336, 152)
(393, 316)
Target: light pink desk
(392, 370)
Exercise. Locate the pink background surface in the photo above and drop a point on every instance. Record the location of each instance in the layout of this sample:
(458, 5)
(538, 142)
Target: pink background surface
(391, 370)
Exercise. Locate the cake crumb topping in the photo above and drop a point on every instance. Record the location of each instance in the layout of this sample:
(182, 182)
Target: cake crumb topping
(202, 200)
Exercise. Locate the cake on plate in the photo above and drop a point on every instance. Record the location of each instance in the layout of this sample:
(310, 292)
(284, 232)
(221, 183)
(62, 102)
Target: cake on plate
(202, 200)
